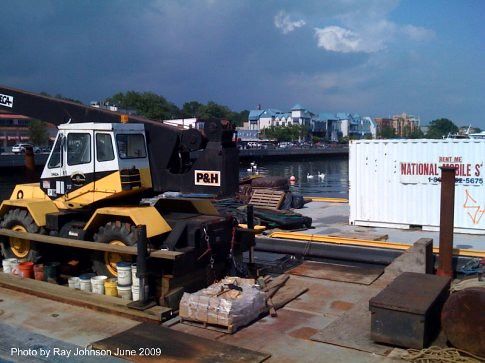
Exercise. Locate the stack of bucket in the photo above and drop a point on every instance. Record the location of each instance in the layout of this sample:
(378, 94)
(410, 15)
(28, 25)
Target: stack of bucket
(101, 285)
(128, 283)
(28, 270)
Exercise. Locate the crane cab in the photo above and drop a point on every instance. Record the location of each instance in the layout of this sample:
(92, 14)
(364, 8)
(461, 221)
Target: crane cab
(94, 161)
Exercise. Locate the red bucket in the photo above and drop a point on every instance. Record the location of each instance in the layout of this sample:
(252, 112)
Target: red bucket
(39, 272)
(26, 270)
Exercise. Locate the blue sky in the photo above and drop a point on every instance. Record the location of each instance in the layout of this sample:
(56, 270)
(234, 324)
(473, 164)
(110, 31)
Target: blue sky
(376, 57)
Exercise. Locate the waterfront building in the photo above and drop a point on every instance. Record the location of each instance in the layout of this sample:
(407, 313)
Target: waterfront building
(15, 129)
(332, 126)
(402, 124)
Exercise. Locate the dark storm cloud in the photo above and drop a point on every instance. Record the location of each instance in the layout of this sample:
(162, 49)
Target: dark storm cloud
(235, 53)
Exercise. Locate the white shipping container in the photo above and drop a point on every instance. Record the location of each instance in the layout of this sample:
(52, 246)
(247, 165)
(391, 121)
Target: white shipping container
(395, 183)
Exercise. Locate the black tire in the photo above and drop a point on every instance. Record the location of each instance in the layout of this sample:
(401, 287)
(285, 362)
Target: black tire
(16, 217)
(112, 231)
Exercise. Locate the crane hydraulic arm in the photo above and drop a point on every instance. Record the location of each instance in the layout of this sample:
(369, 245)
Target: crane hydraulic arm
(178, 157)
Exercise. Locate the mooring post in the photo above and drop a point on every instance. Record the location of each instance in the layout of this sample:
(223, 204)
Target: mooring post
(447, 212)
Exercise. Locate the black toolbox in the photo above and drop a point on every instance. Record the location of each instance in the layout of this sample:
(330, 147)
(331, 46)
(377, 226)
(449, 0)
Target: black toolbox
(407, 312)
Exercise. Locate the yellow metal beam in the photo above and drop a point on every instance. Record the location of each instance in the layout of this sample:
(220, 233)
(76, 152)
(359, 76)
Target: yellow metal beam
(364, 243)
(328, 200)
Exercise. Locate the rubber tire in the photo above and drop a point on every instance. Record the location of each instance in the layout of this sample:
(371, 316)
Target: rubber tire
(121, 231)
(21, 216)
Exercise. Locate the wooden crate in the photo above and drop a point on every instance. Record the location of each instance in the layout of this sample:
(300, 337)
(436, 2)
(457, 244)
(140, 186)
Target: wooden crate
(267, 198)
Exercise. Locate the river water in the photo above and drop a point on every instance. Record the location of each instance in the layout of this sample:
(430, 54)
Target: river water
(334, 184)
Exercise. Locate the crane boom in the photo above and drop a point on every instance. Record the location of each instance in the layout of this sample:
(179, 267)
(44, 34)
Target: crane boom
(174, 153)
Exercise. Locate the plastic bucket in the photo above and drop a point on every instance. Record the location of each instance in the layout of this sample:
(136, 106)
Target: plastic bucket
(110, 287)
(26, 270)
(124, 292)
(97, 284)
(135, 281)
(8, 263)
(73, 282)
(14, 268)
(124, 273)
(51, 272)
(85, 282)
(135, 292)
(39, 272)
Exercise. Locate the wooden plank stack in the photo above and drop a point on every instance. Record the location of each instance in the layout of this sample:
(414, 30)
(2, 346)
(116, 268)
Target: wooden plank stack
(267, 198)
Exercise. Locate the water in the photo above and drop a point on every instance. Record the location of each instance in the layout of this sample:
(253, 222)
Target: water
(335, 183)
(336, 170)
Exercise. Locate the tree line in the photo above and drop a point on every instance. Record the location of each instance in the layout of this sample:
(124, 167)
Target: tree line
(437, 129)
(156, 107)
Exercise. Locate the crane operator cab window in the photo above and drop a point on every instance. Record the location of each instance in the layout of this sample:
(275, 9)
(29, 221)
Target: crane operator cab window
(55, 160)
(78, 148)
(131, 146)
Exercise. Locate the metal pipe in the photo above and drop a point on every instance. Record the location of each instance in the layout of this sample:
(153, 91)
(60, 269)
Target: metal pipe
(322, 250)
(321, 238)
(447, 213)
(141, 259)
(250, 222)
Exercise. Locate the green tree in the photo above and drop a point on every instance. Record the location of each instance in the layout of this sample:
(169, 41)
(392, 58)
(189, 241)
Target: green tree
(441, 128)
(214, 110)
(386, 132)
(416, 134)
(147, 104)
(38, 133)
(191, 109)
(286, 133)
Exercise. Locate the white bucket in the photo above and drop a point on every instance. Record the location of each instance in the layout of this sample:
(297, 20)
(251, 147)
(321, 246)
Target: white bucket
(14, 268)
(97, 284)
(8, 263)
(73, 282)
(134, 280)
(85, 284)
(124, 273)
(124, 292)
(135, 291)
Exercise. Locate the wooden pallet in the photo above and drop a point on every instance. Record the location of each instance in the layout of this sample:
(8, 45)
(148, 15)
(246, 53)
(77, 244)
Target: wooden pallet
(202, 324)
(267, 198)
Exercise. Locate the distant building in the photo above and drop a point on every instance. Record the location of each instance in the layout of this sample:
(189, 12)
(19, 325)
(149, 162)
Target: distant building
(184, 123)
(15, 128)
(402, 124)
(349, 125)
(328, 125)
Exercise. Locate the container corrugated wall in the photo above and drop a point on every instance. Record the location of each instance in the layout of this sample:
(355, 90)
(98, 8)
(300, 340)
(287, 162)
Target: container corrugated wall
(394, 183)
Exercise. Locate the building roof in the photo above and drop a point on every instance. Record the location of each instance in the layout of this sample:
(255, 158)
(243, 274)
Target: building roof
(297, 107)
(8, 116)
(255, 114)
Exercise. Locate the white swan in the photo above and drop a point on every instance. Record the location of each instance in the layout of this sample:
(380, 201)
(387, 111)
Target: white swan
(321, 175)
(309, 176)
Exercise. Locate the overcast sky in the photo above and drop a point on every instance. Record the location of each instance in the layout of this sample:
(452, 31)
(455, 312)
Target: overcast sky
(376, 57)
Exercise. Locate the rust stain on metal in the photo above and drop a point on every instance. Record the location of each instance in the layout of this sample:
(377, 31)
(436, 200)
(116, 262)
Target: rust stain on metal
(334, 272)
(303, 333)
(341, 305)
(463, 320)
